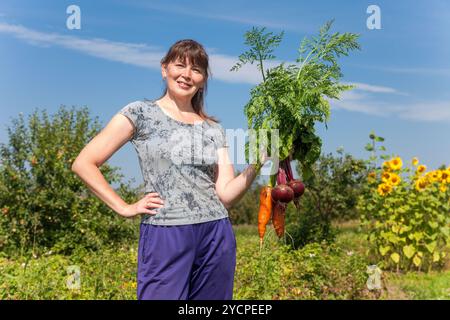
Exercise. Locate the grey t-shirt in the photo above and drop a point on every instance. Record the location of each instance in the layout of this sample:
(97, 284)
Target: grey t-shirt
(179, 161)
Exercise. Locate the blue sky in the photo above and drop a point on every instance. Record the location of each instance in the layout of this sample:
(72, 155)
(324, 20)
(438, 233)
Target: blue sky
(402, 73)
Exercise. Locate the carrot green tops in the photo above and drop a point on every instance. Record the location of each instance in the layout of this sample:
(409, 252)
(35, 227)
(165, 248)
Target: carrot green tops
(179, 161)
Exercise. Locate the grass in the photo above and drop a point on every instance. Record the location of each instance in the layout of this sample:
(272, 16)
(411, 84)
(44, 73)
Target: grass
(398, 286)
(420, 286)
(110, 274)
(350, 237)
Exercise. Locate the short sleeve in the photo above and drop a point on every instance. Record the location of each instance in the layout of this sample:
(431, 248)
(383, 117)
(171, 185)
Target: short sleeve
(221, 138)
(132, 112)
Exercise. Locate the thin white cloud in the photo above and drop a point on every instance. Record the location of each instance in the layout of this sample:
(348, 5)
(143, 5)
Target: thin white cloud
(373, 88)
(136, 54)
(140, 55)
(203, 14)
(430, 112)
(359, 100)
(221, 64)
(421, 71)
(410, 70)
(356, 102)
(362, 102)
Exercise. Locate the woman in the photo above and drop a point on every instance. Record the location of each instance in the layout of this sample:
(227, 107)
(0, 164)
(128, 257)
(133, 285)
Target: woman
(187, 247)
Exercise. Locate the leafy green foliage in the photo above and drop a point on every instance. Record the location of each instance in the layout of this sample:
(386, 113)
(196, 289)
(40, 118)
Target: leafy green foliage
(44, 205)
(276, 272)
(107, 274)
(423, 286)
(261, 48)
(316, 271)
(331, 193)
(407, 222)
(292, 98)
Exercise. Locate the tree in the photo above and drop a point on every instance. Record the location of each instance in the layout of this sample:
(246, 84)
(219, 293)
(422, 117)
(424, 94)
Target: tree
(44, 205)
(331, 193)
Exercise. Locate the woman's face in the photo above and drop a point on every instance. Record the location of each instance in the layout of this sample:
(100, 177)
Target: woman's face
(183, 79)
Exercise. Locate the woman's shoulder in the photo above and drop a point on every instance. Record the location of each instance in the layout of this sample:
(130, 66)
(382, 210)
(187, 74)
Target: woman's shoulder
(139, 104)
(213, 124)
(138, 108)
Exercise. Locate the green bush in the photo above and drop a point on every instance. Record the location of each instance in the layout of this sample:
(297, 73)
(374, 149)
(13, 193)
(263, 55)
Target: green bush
(107, 274)
(314, 272)
(331, 194)
(44, 205)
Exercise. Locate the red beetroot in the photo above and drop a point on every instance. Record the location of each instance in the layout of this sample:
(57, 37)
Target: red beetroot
(282, 192)
(298, 187)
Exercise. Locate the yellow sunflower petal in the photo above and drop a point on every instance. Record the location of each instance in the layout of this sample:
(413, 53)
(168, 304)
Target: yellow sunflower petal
(385, 176)
(396, 163)
(394, 179)
(421, 169)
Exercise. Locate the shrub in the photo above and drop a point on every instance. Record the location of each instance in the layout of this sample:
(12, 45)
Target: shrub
(44, 205)
(316, 271)
(107, 274)
(331, 193)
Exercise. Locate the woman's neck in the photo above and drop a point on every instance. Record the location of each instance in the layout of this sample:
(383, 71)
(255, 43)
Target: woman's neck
(180, 104)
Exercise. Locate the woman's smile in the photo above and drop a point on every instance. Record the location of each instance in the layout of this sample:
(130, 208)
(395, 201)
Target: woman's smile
(184, 85)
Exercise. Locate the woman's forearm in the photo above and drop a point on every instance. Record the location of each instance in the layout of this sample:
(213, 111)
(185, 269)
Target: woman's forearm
(91, 175)
(236, 188)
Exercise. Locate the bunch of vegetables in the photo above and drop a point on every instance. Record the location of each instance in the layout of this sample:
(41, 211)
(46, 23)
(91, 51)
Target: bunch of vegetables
(273, 200)
(292, 99)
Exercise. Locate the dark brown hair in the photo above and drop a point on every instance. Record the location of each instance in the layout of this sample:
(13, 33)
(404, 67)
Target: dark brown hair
(194, 51)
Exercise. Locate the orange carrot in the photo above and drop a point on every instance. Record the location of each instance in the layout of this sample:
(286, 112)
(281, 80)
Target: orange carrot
(278, 218)
(265, 210)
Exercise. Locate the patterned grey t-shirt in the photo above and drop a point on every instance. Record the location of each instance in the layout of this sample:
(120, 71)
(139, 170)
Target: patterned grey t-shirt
(179, 161)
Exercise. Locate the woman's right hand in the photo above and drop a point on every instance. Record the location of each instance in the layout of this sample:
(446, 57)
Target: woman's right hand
(143, 206)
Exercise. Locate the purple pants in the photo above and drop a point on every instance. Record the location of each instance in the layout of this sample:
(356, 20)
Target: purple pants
(187, 262)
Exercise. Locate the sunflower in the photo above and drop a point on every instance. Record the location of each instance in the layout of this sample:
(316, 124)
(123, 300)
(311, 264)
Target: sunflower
(434, 176)
(443, 187)
(371, 177)
(421, 184)
(445, 176)
(394, 179)
(415, 161)
(386, 177)
(384, 189)
(396, 163)
(421, 169)
(386, 166)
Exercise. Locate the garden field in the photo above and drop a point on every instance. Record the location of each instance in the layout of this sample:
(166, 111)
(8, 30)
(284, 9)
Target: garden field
(58, 241)
(336, 271)
(312, 221)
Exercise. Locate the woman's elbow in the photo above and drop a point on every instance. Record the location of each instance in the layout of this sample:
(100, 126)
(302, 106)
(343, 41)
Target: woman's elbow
(227, 204)
(74, 166)
(77, 165)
